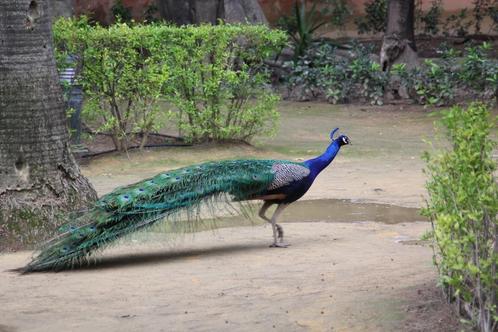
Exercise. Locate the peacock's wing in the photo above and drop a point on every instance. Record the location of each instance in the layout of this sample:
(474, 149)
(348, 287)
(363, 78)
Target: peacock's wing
(286, 173)
(167, 194)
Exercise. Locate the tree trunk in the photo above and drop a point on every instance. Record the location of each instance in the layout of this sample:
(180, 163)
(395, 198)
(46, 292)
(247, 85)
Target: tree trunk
(209, 11)
(40, 180)
(62, 8)
(398, 45)
(245, 11)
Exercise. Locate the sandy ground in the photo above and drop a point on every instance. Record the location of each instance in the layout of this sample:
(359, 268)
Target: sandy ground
(336, 276)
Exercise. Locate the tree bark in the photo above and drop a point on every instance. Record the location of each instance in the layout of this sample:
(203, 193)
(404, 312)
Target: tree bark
(210, 11)
(398, 45)
(61, 8)
(40, 180)
(245, 11)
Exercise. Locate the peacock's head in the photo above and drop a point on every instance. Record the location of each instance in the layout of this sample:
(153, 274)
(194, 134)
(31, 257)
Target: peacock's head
(342, 139)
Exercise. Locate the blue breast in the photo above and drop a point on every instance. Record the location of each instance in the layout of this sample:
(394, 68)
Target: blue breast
(296, 189)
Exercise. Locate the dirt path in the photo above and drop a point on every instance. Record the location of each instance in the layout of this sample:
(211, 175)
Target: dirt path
(334, 277)
(354, 276)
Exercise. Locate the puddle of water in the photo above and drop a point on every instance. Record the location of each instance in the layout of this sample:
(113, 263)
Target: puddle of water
(326, 210)
(336, 210)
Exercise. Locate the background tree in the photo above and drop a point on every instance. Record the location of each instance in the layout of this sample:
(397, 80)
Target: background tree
(40, 179)
(201, 11)
(398, 45)
(62, 8)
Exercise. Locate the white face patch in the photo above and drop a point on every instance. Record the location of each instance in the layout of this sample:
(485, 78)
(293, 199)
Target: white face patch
(345, 140)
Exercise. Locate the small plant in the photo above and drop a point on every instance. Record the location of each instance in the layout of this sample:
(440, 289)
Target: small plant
(492, 78)
(337, 84)
(307, 21)
(332, 73)
(337, 11)
(477, 67)
(493, 15)
(457, 24)
(303, 75)
(368, 75)
(322, 72)
(430, 20)
(150, 13)
(375, 17)
(120, 12)
(463, 207)
(435, 83)
(302, 26)
(481, 9)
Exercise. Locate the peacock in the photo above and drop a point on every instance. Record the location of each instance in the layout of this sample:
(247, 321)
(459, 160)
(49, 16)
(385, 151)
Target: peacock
(169, 194)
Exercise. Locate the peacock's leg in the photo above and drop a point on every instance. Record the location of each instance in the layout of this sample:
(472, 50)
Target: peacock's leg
(261, 213)
(278, 232)
(263, 210)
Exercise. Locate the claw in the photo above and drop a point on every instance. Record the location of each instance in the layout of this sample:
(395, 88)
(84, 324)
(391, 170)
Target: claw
(279, 245)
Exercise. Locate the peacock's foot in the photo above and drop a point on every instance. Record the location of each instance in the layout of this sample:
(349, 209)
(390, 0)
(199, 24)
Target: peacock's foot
(280, 233)
(279, 245)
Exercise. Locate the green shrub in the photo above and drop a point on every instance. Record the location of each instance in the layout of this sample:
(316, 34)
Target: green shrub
(213, 75)
(122, 73)
(322, 72)
(217, 79)
(368, 75)
(479, 70)
(435, 83)
(463, 207)
(313, 71)
(472, 75)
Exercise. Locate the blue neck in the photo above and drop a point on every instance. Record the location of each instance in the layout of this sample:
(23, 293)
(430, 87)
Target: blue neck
(316, 165)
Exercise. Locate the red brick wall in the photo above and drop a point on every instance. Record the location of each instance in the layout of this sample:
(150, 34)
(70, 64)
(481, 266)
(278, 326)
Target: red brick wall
(100, 9)
(274, 8)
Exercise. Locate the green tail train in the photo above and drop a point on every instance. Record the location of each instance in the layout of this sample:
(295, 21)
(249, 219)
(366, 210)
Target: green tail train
(142, 204)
